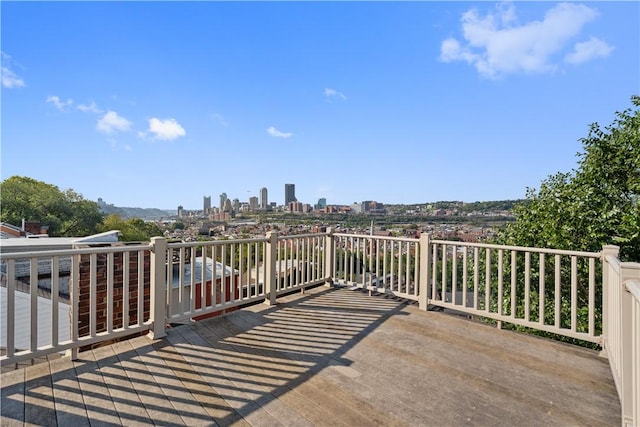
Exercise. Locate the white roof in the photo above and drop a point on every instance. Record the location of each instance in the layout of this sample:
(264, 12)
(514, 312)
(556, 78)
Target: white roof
(220, 270)
(26, 244)
(23, 320)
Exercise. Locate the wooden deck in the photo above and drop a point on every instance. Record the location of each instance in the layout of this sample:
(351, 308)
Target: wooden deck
(330, 357)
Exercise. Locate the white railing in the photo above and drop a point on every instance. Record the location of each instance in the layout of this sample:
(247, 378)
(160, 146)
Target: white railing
(211, 277)
(37, 323)
(549, 290)
(102, 293)
(378, 264)
(621, 340)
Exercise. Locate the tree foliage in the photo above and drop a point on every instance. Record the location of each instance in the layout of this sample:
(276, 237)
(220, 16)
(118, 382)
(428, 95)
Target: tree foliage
(66, 213)
(594, 205)
(132, 229)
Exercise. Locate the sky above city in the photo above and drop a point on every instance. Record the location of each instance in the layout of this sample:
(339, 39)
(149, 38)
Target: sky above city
(157, 104)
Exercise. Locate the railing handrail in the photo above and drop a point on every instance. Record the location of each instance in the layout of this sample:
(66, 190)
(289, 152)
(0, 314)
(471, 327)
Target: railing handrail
(219, 242)
(390, 238)
(520, 248)
(300, 236)
(75, 251)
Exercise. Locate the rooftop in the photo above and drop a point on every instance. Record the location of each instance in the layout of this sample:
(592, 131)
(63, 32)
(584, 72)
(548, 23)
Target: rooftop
(330, 356)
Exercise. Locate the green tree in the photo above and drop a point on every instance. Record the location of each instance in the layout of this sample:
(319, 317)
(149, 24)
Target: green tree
(132, 229)
(66, 213)
(594, 205)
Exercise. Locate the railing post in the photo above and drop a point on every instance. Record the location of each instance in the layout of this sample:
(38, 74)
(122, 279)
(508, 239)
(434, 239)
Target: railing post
(270, 264)
(629, 271)
(329, 256)
(74, 290)
(158, 287)
(607, 250)
(424, 245)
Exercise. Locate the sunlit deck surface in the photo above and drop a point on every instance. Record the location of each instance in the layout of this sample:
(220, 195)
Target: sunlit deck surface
(328, 357)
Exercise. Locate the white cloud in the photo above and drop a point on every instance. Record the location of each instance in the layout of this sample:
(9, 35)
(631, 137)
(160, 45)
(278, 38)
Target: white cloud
(111, 122)
(332, 94)
(167, 129)
(10, 80)
(58, 103)
(586, 51)
(278, 134)
(496, 44)
(91, 108)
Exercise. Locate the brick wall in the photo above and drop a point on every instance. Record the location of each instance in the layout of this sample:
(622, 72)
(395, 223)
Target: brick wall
(84, 306)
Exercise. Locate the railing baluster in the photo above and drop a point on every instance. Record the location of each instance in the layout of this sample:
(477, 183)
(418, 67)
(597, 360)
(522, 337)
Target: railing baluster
(574, 293)
(109, 325)
(55, 296)
(592, 295)
(11, 308)
(487, 281)
(476, 277)
(514, 281)
(500, 283)
(541, 308)
(465, 275)
(33, 291)
(434, 272)
(93, 259)
(527, 286)
(125, 289)
(454, 274)
(557, 291)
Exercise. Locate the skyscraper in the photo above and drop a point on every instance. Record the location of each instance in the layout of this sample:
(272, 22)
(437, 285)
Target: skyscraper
(223, 198)
(289, 194)
(206, 202)
(264, 200)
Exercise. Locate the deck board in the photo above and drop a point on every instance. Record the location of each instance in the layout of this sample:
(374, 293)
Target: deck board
(330, 357)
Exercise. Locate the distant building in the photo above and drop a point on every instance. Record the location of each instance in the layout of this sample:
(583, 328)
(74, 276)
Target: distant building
(289, 194)
(223, 198)
(206, 204)
(180, 211)
(253, 203)
(322, 203)
(264, 199)
(294, 207)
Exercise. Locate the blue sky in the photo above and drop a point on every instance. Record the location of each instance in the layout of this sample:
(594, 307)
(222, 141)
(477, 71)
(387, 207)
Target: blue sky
(156, 104)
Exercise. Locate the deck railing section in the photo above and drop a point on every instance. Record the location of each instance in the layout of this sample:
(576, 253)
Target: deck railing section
(378, 264)
(50, 323)
(549, 290)
(210, 276)
(300, 261)
(621, 339)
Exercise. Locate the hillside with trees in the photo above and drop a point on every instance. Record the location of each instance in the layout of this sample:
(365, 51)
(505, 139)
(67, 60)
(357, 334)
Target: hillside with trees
(65, 213)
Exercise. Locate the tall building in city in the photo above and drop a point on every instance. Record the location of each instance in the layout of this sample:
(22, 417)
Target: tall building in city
(223, 198)
(206, 203)
(264, 199)
(322, 203)
(253, 203)
(289, 194)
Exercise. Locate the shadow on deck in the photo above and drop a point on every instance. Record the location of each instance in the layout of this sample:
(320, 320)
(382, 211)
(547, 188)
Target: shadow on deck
(329, 357)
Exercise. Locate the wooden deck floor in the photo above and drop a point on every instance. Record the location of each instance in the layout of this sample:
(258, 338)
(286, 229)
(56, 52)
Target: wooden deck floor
(330, 357)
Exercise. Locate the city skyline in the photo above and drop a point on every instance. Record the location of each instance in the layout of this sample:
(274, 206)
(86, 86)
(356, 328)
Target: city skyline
(155, 104)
